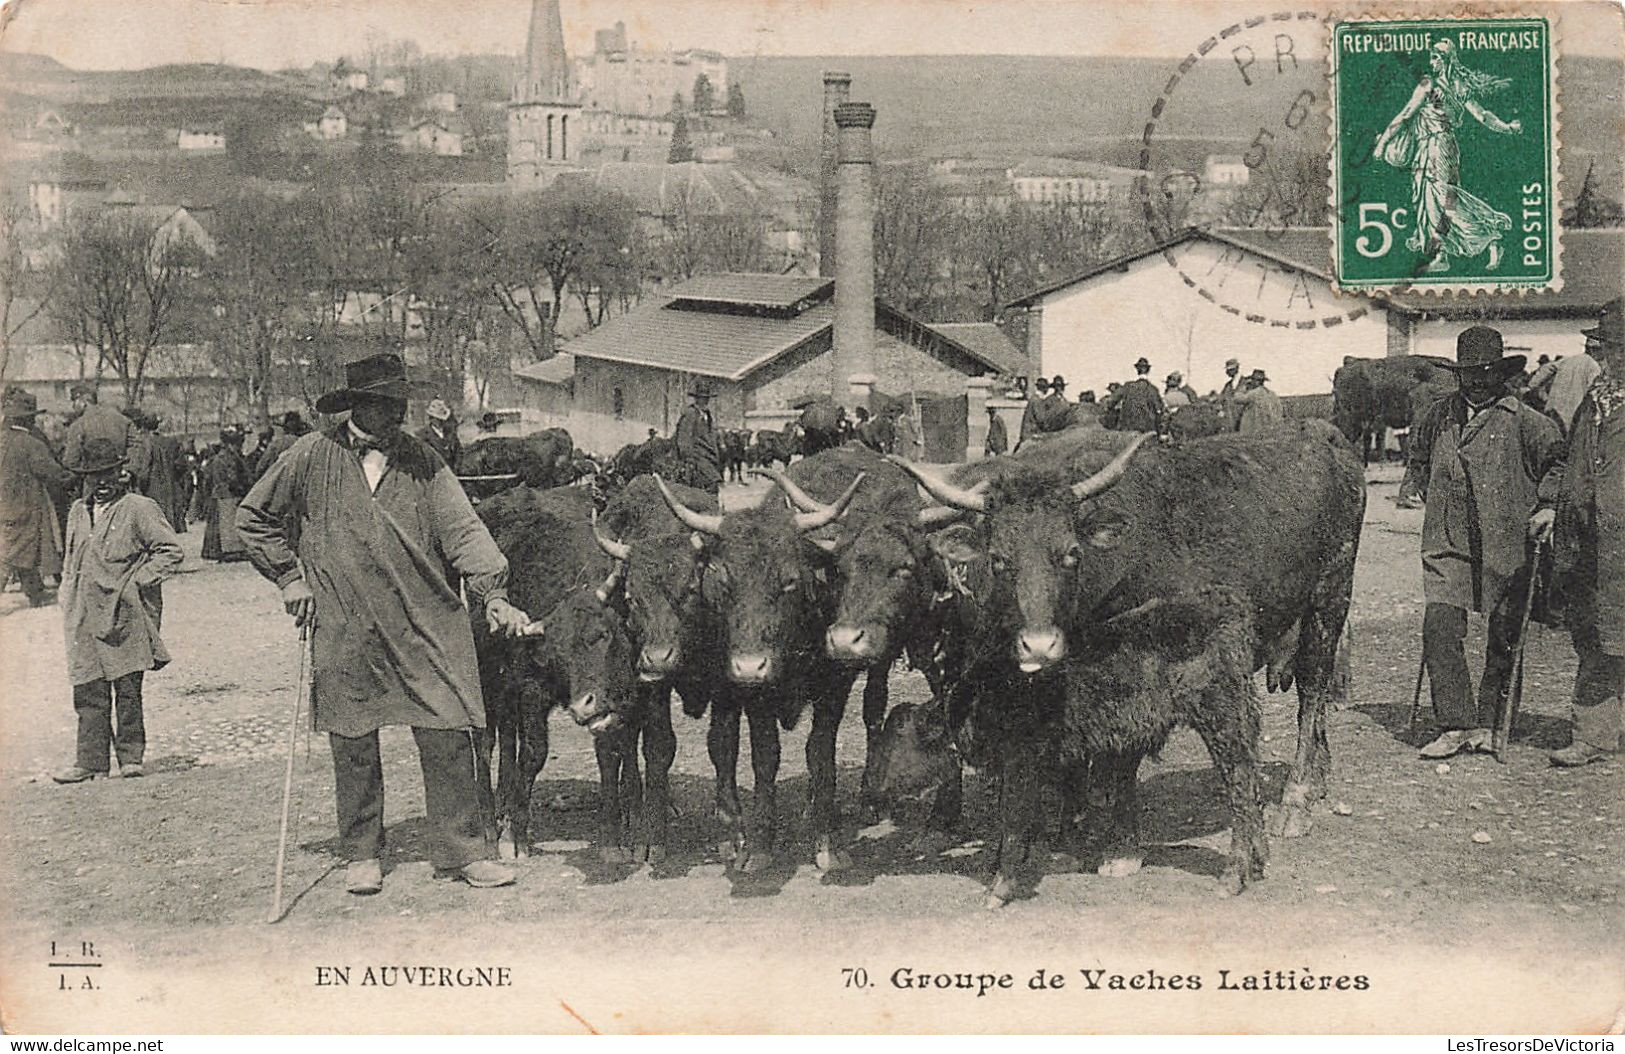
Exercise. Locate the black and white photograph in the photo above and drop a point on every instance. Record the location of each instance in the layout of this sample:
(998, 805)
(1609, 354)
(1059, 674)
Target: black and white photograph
(901, 517)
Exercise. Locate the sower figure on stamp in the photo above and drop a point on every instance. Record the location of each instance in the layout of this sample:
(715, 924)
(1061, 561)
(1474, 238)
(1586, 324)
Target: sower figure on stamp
(1490, 466)
(1590, 546)
(120, 550)
(366, 531)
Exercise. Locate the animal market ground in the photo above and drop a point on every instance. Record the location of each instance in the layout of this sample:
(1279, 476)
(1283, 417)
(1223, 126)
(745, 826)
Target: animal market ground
(1473, 897)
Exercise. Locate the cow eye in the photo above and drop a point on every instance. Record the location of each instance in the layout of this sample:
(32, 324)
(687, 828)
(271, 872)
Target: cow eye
(1070, 560)
(999, 563)
(903, 573)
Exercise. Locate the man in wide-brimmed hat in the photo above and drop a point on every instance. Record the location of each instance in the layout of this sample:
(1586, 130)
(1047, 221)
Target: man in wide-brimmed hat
(226, 478)
(1137, 404)
(31, 482)
(441, 432)
(698, 446)
(120, 551)
(289, 427)
(1259, 406)
(1590, 549)
(94, 421)
(1489, 467)
(383, 532)
(1233, 384)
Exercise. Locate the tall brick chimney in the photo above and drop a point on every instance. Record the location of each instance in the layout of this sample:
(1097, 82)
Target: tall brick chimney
(855, 257)
(837, 86)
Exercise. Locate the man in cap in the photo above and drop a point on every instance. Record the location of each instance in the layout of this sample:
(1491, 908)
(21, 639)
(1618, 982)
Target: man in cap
(698, 446)
(288, 430)
(1590, 549)
(441, 432)
(1174, 392)
(1490, 466)
(1227, 394)
(1260, 407)
(1573, 375)
(93, 420)
(1029, 416)
(160, 462)
(225, 480)
(383, 532)
(1139, 406)
(998, 438)
(31, 482)
(120, 550)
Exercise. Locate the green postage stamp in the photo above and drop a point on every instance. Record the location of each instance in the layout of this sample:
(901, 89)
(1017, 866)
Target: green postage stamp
(1444, 154)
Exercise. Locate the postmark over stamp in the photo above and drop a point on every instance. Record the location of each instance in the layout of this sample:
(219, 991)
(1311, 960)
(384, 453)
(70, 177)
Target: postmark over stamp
(1444, 154)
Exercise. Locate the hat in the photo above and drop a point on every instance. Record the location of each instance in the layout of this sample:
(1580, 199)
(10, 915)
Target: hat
(1042, 384)
(1610, 328)
(1058, 383)
(701, 390)
(19, 403)
(1258, 375)
(81, 388)
(291, 419)
(98, 455)
(1232, 362)
(438, 410)
(382, 375)
(1174, 377)
(1143, 365)
(1481, 347)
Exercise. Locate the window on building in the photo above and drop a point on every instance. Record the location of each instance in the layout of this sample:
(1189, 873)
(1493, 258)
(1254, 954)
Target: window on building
(617, 400)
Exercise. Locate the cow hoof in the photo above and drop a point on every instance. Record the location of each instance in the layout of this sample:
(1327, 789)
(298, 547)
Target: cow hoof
(754, 863)
(829, 860)
(931, 843)
(655, 854)
(615, 855)
(506, 850)
(992, 901)
(1232, 881)
(1291, 822)
(1119, 866)
(727, 850)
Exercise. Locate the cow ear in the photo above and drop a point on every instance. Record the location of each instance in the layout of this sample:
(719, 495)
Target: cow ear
(1106, 531)
(954, 545)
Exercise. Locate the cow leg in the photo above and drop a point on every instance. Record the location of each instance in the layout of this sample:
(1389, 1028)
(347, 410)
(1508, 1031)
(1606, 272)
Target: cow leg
(659, 751)
(1227, 721)
(617, 772)
(821, 775)
(1119, 777)
(1317, 682)
(531, 753)
(509, 822)
(1021, 816)
(722, 740)
(764, 764)
(484, 745)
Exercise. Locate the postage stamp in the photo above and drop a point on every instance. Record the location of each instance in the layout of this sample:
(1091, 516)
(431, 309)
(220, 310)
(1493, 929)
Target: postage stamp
(1444, 154)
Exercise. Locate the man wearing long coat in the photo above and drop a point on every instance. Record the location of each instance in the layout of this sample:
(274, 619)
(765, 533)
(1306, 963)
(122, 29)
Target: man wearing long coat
(225, 480)
(1261, 409)
(697, 444)
(1590, 551)
(94, 421)
(1490, 466)
(1139, 404)
(31, 481)
(366, 532)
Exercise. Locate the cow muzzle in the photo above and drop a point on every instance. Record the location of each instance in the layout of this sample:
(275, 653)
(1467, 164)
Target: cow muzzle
(1039, 649)
(590, 709)
(657, 663)
(855, 645)
(750, 669)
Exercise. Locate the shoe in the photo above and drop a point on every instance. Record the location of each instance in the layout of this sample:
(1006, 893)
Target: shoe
(44, 600)
(132, 771)
(1577, 754)
(1447, 745)
(364, 877)
(75, 775)
(481, 874)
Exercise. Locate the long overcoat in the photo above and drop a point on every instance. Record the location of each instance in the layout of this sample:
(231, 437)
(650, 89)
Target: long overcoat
(112, 603)
(30, 479)
(1591, 511)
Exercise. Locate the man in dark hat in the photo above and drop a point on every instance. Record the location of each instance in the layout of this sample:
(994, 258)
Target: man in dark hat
(93, 420)
(120, 550)
(1590, 549)
(998, 437)
(1030, 416)
(31, 483)
(697, 444)
(441, 432)
(1260, 408)
(1233, 384)
(226, 479)
(1139, 404)
(289, 428)
(383, 531)
(1489, 467)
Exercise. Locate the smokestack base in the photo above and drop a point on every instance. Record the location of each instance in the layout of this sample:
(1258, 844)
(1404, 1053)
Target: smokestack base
(834, 77)
(854, 115)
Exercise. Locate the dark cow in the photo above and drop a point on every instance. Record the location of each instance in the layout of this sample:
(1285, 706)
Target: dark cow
(734, 443)
(1275, 518)
(1196, 420)
(760, 581)
(582, 662)
(542, 459)
(653, 455)
(1370, 396)
(768, 448)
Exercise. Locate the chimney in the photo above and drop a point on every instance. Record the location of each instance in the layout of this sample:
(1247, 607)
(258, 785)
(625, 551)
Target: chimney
(837, 86)
(855, 260)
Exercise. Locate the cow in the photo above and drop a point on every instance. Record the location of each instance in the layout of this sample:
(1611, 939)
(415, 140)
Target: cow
(653, 455)
(1276, 518)
(760, 581)
(733, 443)
(768, 448)
(1196, 420)
(581, 662)
(1370, 396)
(542, 459)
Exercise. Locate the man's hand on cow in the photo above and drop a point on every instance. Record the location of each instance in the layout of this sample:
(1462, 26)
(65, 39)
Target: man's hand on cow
(1541, 523)
(298, 601)
(505, 620)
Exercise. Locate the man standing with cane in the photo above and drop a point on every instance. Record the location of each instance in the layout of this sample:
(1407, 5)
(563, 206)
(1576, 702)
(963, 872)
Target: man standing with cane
(1490, 466)
(366, 531)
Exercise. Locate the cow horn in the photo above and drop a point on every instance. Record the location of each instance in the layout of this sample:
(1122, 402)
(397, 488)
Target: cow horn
(704, 522)
(934, 516)
(1103, 480)
(798, 497)
(970, 499)
(828, 514)
(617, 551)
(611, 584)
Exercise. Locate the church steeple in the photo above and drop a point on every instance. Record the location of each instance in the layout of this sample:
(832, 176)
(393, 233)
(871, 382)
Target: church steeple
(544, 127)
(547, 68)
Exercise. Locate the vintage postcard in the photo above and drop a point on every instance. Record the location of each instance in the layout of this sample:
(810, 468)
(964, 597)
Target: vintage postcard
(728, 516)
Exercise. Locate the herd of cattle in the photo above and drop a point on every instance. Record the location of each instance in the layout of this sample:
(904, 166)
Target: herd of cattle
(1069, 607)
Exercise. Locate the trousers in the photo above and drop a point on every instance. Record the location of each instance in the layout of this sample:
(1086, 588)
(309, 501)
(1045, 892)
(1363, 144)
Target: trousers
(1599, 686)
(450, 793)
(1444, 629)
(94, 702)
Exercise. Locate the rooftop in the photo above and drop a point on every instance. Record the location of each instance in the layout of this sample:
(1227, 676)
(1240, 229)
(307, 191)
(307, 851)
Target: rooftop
(987, 341)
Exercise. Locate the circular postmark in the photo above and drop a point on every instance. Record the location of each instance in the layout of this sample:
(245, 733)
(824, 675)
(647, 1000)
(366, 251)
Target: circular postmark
(1236, 147)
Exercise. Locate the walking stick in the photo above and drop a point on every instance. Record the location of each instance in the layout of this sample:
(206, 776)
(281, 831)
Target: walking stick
(1416, 696)
(1509, 709)
(306, 646)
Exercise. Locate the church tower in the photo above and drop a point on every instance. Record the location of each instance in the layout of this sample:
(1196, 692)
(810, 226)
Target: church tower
(544, 121)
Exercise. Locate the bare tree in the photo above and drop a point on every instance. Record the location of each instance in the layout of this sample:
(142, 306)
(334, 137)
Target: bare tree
(912, 242)
(255, 284)
(23, 297)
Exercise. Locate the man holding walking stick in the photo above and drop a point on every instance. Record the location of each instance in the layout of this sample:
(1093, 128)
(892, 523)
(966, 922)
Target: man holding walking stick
(366, 532)
(1490, 467)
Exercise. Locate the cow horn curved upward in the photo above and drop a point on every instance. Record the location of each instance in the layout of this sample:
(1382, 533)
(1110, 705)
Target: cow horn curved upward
(936, 515)
(798, 497)
(704, 522)
(970, 499)
(1103, 480)
(616, 575)
(617, 551)
(828, 514)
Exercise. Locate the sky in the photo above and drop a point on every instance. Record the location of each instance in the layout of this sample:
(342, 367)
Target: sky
(273, 34)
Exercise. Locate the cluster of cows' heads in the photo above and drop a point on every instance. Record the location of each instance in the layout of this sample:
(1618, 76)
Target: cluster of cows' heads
(883, 575)
(1051, 551)
(757, 574)
(658, 579)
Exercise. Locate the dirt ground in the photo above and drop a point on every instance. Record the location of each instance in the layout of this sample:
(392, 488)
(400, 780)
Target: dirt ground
(1475, 897)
